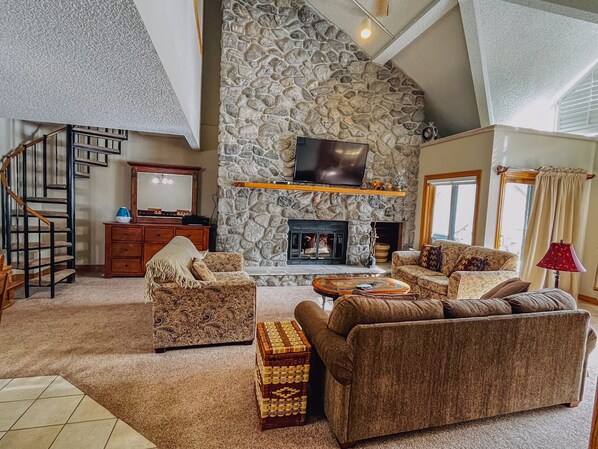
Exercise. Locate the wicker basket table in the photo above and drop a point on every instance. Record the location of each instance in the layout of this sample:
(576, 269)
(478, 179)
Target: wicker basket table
(281, 374)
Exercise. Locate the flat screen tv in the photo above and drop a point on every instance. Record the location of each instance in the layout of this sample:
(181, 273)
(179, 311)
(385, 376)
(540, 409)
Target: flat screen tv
(321, 161)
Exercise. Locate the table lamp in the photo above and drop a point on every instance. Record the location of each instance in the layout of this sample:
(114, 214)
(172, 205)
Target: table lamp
(561, 257)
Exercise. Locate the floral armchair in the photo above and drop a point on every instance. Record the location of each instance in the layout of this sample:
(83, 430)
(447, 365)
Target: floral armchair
(188, 312)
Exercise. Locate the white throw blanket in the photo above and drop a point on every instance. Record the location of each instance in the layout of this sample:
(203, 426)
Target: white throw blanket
(172, 264)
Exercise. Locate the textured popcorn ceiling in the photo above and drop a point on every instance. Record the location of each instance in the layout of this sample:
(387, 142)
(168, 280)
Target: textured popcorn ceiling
(84, 62)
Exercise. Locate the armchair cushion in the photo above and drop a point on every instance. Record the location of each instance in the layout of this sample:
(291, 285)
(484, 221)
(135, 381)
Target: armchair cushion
(331, 347)
(507, 288)
(437, 284)
(467, 308)
(350, 311)
(201, 272)
(546, 300)
(411, 273)
(430, 257)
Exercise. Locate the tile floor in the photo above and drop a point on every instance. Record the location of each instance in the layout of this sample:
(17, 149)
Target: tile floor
(50, 413)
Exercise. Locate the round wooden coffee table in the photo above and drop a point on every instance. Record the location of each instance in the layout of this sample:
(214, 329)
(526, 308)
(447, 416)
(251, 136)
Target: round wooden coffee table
(334, 287)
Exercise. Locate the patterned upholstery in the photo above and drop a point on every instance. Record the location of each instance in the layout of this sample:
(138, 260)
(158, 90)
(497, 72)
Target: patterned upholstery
(411, 273)
(451, 252)
(433, 284)
(430, 257)
(460, 284)
(220, 311)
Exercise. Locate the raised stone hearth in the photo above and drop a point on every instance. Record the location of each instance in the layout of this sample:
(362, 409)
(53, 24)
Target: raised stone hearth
(288, 72)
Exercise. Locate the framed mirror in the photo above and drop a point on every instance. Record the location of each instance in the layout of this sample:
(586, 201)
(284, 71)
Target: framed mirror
(163, 193)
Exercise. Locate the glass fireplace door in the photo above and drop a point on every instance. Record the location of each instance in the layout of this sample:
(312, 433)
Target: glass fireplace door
(317, 242)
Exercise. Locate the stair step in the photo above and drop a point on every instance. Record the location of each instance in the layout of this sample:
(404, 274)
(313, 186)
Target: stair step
(44, 261)
(44, 213)
(42, 229)
(43, 199)
(56, 186)
(96, 148)
(84, 161)
(97, 133)
(81, 174)
(40, 245)
(45, 280)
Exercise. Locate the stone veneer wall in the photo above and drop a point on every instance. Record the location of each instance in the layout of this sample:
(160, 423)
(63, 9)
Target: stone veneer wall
(286, 71)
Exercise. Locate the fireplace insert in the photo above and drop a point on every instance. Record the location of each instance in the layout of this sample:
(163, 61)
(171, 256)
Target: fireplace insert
(317, 242)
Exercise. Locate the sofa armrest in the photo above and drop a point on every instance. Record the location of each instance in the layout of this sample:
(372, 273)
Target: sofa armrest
(331, 347)
(400, 258)
(220, 262)
(231, 287)
(405, 258)
(473, 284)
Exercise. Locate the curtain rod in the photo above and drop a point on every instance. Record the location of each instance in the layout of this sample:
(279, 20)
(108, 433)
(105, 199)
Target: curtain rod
(503, 169)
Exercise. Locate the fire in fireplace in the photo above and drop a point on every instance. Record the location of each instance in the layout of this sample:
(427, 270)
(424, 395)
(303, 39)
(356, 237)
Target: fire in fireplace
(317, 242)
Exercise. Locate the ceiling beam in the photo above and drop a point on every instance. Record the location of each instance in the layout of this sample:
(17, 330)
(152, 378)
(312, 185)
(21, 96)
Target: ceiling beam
(587, 13)
(479, 75)
(414, 30)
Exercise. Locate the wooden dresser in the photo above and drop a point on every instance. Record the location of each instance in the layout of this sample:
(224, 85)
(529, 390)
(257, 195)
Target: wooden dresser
(130, 246)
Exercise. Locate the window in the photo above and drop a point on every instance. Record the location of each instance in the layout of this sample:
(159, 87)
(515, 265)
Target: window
(450, 207)
(514, 206)
(578, 109)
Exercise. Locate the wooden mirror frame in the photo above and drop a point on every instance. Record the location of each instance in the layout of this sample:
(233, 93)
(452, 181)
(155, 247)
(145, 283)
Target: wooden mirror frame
(140, 167)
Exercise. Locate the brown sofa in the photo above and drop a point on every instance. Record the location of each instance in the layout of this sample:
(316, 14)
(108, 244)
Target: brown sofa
(383, 367)
(188, 312)
(444, 284)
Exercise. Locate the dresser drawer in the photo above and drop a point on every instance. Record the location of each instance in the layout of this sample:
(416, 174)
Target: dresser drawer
(126, 250)
(197, 236)
(126, 266)
(161, 235)
(150, 249)
(127, 233)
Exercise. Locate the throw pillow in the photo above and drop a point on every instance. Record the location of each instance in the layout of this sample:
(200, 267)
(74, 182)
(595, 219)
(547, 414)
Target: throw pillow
(430, 257)
(471, 263)
(507, 288)
(350, 311)
(466, 308)
(547, 300)
(201, 272)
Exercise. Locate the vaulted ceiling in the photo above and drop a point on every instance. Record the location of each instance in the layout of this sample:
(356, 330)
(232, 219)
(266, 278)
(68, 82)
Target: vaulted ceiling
(481, 62)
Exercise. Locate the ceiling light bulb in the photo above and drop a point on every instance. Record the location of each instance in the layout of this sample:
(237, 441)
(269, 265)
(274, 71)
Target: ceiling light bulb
(155, 180)
(365, 30)
(164, 181)
(170, 181)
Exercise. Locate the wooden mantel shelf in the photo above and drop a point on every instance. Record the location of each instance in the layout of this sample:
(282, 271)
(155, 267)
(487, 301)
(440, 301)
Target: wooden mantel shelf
(315, 188)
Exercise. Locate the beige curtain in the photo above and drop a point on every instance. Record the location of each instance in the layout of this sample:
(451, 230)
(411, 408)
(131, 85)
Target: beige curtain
(558, 212)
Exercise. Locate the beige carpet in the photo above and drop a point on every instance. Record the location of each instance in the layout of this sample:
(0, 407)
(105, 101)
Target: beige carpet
(97, 335)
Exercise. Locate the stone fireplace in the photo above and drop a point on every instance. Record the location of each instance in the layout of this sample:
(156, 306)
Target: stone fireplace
(317, 242)
(287, 72)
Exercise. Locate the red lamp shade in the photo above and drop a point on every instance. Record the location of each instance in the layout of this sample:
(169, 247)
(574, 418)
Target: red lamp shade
(561, 257)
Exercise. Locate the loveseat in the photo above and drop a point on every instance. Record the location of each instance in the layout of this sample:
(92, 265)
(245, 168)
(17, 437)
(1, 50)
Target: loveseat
(188, 312)
(445, 284)
(390, 366)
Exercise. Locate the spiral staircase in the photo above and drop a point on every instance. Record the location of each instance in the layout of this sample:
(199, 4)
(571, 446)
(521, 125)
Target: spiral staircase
(38, 200)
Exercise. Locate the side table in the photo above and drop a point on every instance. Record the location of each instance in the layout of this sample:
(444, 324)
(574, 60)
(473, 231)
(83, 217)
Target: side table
(281, 374)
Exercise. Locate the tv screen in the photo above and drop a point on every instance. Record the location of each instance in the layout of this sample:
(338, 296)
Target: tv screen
(329, 162)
